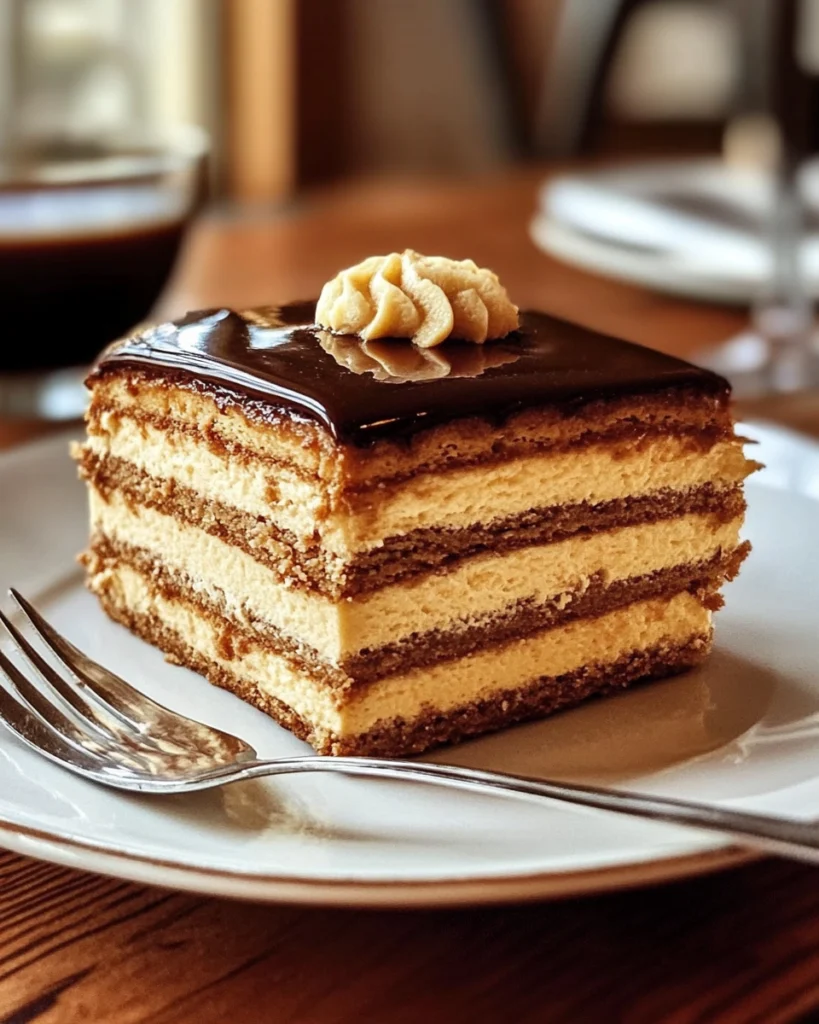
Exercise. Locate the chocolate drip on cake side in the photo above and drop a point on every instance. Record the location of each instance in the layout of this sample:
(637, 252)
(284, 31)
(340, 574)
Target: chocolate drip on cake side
(279, 356)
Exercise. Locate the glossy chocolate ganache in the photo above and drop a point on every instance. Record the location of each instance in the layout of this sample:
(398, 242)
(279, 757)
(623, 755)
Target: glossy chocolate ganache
(277, 358)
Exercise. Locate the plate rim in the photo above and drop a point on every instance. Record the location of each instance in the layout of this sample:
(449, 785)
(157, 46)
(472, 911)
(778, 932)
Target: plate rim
(422, 893)
(563, 243)
(475, 890)
(560, 240)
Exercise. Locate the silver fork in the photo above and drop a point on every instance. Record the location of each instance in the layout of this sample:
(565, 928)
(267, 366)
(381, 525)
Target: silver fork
(91, 722)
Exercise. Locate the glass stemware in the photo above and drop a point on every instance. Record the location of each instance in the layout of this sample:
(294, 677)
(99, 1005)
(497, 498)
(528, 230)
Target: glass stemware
(778, 352)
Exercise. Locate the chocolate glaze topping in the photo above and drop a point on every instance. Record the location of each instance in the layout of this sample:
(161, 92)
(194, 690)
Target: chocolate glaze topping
(285, 366)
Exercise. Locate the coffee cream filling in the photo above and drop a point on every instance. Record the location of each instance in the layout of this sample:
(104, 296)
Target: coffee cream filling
(551, 574)
(443, 687)
(456, 499)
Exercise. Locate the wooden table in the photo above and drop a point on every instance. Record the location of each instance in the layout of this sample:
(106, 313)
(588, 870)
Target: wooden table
(739, 946)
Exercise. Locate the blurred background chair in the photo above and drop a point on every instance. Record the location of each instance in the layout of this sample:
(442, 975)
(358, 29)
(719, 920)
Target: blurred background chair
(421, 86)
(683, 66)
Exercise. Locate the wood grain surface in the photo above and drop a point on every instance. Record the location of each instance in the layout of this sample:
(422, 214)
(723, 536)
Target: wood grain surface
(735, 947)
(739, 946)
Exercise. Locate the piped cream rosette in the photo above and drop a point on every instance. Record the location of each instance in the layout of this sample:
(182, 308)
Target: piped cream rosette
(425, 299)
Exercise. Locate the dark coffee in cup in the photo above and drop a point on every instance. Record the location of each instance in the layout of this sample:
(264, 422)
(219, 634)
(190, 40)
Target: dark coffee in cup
(86, 247)
(69, 295)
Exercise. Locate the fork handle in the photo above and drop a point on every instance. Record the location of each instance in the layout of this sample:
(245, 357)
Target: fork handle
(783, 837)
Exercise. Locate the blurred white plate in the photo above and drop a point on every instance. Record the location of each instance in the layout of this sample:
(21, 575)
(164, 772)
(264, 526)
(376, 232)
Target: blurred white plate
(694, 229)
(741, 731)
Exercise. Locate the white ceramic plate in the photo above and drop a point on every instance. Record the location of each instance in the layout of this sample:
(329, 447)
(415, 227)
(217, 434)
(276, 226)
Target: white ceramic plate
(687, 228)
(741, 731)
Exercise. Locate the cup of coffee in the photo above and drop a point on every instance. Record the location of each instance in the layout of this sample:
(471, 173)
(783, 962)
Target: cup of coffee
(89, 234)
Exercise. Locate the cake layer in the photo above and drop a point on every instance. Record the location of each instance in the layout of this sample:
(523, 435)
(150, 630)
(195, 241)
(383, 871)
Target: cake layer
(236, 424)
(593, 489)
(482, 691)
(307, 512)
(472, 590)
(596, 597)
(402, 737)
(402, 557)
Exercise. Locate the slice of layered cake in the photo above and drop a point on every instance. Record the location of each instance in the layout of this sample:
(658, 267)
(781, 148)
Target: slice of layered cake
(407, 515)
